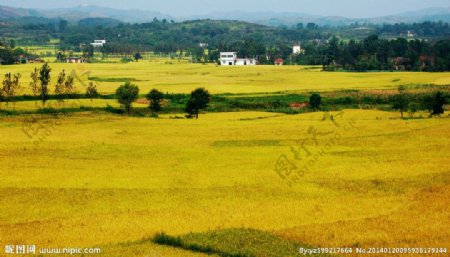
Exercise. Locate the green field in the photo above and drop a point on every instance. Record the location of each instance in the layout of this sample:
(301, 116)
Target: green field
(216, 185)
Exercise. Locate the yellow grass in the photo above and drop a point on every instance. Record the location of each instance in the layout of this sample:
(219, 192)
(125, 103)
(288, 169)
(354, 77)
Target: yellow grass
(181, 77)
(102, 180)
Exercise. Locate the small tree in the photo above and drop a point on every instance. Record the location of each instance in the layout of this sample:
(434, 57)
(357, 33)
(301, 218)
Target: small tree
(1, 97)
(44, 77)
(34, 84)
(91, 91)
(400, 103)
(315, 100)
(199, 100)
(10, 86)
(438, 104)
(16, 86)
(155, 97)
(127, 94)
(88, 51)
(435, 104)
(137, 56)
(69, 86)
(59, 87)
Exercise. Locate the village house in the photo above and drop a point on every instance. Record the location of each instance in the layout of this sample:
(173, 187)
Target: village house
(401, 63)
(75, 60)
(98, 43)
(426, 61)
(296, 49)
(279, 62)
(231, 59)
(32, 59)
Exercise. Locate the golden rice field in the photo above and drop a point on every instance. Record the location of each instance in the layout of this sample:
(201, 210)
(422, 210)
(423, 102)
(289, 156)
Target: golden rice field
(94, 179)
(177, 77)
(101, 180)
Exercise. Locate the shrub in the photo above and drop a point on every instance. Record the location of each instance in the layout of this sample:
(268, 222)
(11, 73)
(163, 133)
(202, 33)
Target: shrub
(315, 100)
(155, 97)
(127, 94)
(199, 100)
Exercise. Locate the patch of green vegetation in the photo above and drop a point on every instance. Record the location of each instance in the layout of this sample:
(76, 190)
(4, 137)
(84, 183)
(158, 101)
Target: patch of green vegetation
(234, 243)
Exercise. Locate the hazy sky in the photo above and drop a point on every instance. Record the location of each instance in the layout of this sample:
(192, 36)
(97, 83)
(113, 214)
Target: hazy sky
(348, 8)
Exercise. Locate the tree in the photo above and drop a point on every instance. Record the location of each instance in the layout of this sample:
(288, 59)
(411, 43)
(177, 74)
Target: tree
(127, 94)
(400, 103)
(69, 86)
(62, 25)
(12, 44)
(44, 77)
(435, 104)
(1, 98)
(314, 101)
(34, 84)
(88, 51)
(10, 86)
(199, 100)
(137, 56)
(155, 97)
(91, 90)
(311, 26)
(59, 87)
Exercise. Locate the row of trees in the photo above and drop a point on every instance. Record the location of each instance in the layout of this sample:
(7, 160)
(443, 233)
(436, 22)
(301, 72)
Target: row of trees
(374, 53)
(128, 93)
(39, 86)
(434, 103)
(403, 102)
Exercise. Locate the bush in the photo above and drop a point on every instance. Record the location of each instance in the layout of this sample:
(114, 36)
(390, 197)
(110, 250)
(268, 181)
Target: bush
(155, 97)
(127, 94)
(199, 100)
(315, 100)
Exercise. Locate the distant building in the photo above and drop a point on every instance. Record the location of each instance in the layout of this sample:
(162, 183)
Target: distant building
(410, 34)
(279, 62)
(296, 49)
(231, 59)
(75, 60)
(203, 45)
(401, 63)
(35, 60)
(426, 61)
(98, 43)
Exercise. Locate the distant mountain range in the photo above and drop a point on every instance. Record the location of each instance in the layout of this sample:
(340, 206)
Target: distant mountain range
(80, 12)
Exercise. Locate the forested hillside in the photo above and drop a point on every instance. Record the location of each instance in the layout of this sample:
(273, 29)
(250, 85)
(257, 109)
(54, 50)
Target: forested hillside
(419, 46)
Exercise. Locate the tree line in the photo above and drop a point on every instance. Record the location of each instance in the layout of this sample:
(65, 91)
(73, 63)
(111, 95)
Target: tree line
(129, 93)
(374, 53)
(39, 86)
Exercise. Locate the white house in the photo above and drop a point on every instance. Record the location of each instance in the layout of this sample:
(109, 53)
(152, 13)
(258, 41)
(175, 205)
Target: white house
(98, 43)
(231, 59)
(296, 49)
(75, 60)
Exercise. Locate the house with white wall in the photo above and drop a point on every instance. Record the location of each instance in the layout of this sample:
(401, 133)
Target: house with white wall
(231, 59)
(296, 49)
(98, 43)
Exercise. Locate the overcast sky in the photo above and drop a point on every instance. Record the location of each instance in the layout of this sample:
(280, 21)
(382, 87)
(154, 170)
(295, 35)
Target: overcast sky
(348, 8)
